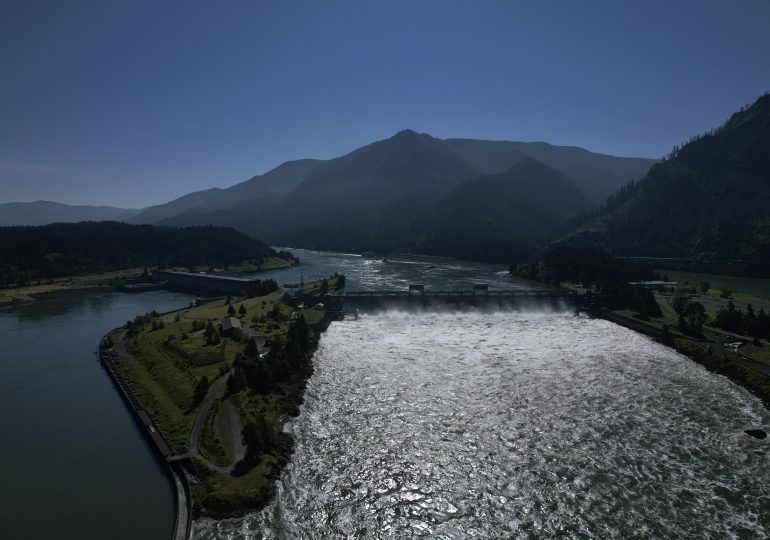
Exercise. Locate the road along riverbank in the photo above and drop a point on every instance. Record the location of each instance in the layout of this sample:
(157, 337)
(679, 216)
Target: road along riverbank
(752, 375)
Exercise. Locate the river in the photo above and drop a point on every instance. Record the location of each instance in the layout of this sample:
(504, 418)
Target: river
(530, 424)
(522, 425)
(72, 462)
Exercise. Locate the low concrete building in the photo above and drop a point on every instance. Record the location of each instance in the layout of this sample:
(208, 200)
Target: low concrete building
(204, 284)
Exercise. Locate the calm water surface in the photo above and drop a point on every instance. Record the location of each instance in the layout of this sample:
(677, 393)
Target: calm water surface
(72, 463)
(514, 425)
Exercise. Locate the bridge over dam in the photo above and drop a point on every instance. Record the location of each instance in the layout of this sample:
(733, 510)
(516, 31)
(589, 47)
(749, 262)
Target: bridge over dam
(481, 299)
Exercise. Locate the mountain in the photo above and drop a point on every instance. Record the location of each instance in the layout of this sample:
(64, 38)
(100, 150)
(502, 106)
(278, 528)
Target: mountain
(44, 212)
(494, 216)
(597, 175)
(375, 197)
(257, 192)
(709, 200)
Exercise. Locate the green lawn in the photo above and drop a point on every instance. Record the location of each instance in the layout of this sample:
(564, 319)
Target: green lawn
(212, 443)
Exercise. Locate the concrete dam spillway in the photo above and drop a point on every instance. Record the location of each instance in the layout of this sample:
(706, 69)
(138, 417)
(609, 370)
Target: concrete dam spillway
(377, 301)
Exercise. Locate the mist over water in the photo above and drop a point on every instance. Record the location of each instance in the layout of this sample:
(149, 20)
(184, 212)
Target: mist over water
(524, 425)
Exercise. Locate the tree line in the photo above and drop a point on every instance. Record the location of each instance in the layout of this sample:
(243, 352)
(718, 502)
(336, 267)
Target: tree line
(67, 249)
(598, 271)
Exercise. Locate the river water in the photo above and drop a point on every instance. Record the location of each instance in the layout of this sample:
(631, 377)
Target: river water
(73, 465)
(522, 425)
(396, 272)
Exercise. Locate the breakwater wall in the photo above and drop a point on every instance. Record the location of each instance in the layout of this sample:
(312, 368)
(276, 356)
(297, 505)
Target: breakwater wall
(161, 449)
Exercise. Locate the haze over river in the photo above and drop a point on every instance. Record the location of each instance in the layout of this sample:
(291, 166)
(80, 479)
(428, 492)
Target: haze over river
(530, 424)
(453, 425)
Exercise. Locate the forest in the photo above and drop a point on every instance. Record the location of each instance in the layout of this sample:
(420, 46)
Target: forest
(68, 249)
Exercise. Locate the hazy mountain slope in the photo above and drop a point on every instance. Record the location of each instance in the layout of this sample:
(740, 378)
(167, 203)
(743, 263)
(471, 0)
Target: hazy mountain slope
(711, 199)
(355, 200)
(258, 192)
(408, 164)
(492, 216)
(597, 175)
(407, 167)
(372, 197)
(44, 212)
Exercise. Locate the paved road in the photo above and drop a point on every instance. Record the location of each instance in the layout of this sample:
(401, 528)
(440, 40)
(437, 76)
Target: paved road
(231, 426)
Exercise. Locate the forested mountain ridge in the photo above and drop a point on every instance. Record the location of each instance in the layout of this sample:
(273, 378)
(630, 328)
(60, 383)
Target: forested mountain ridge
(499, 215)
(66, 249)
(709, 199)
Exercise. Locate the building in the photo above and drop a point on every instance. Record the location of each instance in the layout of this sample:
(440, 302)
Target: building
(231, 323)
(204, 284)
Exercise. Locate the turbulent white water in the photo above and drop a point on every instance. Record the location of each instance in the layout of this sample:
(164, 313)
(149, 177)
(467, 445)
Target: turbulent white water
(514, 425)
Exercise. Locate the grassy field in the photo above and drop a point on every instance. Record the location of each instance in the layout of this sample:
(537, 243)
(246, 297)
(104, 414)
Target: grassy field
(58, 285)
(271, 263)
(212, 445)
(750, 287)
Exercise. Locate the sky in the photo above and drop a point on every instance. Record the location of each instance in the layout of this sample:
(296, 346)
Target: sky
(135, 103)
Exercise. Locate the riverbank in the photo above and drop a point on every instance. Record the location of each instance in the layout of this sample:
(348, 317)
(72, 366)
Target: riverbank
(123, 280)
(712, 355)
(56, 288)
(216, 381)
(176, 475)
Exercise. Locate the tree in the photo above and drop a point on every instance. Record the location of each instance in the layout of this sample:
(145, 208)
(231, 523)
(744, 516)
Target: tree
(251, 350)
(679, 301)
(201, 389)
(693, 317)
(237, 381)
(665, 337)
(242, 310)
(258, 438)
(324, 286)
(231, 310)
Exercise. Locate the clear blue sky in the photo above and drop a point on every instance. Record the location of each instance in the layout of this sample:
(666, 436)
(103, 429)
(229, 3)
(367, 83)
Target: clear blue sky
(133, 103)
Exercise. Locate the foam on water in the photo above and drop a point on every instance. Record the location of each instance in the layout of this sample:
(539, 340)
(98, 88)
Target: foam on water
(524, 425)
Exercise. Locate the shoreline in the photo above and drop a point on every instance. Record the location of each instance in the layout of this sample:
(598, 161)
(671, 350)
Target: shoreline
(52, 295)
(174, 472)
(735, 368)
(174, 468)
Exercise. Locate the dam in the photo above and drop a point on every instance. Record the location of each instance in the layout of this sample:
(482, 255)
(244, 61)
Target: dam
(417, 297)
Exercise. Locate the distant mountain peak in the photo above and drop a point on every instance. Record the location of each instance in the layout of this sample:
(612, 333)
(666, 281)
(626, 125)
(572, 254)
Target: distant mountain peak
(410, 134)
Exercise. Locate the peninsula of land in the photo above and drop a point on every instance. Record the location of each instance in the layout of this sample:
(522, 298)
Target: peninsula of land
(217, 380)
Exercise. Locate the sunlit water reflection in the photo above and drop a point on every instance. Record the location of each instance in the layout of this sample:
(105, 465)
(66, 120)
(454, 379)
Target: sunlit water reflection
(514, 425)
